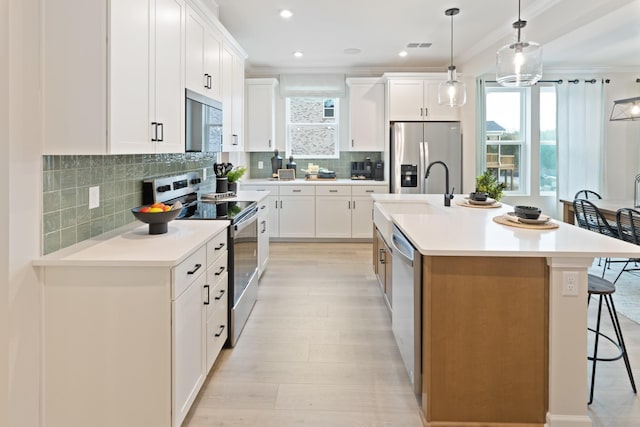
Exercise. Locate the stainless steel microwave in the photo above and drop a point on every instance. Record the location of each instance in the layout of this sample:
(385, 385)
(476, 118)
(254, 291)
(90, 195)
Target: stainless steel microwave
(203, 123)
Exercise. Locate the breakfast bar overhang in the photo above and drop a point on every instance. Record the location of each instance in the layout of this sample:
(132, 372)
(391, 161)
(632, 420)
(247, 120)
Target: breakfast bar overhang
(502, 342)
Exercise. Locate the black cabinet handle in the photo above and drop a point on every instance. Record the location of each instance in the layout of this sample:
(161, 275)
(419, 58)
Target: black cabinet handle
(380, 258)
(208, 81)
(221, 294)
(155, 131)
(264, 227)
(219, 271)
(220, 246)
(221, 330)
(161, 127)
(207, 301)
(235, 139)
(196, 268)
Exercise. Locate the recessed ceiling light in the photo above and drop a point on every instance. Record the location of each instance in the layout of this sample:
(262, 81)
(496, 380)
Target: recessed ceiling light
(286, 14)
(297, 54)
(352, 51)
(403, 53)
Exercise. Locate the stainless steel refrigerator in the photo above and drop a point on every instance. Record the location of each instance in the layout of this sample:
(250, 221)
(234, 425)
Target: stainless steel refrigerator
(416, 144)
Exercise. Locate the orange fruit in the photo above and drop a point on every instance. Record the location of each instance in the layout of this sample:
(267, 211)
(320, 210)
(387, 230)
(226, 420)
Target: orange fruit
(166, 208)
(144, 209)
(158, 205)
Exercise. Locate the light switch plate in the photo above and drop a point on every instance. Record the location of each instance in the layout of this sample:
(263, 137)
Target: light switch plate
(94, 197)
(260, 165)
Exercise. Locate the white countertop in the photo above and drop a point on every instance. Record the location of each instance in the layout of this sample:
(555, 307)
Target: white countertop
(462, 231)
(267, 181)
(249, 196)
(132, 245)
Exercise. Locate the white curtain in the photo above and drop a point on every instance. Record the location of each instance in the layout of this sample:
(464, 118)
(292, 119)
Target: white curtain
(580, 130)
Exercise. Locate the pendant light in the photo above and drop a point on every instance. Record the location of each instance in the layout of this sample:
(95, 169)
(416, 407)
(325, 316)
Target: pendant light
(626, 109)
(452, 92)
(519, 63)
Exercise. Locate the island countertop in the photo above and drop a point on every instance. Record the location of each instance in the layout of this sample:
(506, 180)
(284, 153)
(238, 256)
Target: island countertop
(465, 231)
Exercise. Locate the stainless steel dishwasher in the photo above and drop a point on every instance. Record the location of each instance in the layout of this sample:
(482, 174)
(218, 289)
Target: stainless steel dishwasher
(406, 317)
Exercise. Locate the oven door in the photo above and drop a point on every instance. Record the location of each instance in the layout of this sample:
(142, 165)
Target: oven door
(244, 235)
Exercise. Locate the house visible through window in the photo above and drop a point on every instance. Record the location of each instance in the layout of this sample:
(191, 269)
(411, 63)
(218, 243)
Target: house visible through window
(312, 127)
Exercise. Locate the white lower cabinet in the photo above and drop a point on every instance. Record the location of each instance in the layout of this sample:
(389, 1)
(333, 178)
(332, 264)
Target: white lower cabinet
(131, 346)
(320, 211)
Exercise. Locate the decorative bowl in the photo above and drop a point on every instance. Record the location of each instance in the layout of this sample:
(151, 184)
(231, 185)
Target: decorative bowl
(527, 212)
(157, 220)
(478, 196)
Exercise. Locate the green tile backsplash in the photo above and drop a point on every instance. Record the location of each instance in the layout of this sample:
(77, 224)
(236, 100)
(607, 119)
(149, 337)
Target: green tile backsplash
(341, 166)
(66, 217)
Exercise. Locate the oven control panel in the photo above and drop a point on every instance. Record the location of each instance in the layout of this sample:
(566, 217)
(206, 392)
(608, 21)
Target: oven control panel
(170, 187)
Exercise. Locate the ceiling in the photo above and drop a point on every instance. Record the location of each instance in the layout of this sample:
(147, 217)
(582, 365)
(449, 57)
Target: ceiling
(599, 34)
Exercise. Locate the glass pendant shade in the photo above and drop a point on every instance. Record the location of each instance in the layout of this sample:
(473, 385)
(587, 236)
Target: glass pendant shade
(452, 92)
(626, 109)
(519, 64)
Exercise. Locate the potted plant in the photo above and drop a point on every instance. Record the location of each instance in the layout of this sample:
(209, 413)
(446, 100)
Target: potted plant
(488, 183)
(233, 176)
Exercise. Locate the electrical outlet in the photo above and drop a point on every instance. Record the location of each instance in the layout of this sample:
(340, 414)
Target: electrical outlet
(94, 197)
(260, 164)
(570, 283)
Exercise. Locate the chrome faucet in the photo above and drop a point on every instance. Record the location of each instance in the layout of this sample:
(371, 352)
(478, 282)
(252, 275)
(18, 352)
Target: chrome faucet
(447, 196)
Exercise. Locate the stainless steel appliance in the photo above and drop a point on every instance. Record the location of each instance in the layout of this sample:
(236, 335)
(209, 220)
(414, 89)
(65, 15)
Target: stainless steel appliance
(203, 123)
(406, 316)
(242, 236)
(416, 144)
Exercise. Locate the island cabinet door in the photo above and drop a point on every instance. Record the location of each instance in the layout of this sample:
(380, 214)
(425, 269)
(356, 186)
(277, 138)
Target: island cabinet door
(485, 340)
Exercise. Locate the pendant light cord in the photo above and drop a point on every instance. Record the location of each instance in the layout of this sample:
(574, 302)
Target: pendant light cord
(451, 65)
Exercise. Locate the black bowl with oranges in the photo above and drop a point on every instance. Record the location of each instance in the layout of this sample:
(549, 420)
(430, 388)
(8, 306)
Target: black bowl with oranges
(157, 216)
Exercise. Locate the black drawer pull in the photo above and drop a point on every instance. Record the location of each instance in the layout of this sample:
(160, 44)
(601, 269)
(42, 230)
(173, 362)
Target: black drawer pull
(207, 301)
(297, 191)
(219, 271)
(221, 330)
(221, 294)
(333, 191)
(369, 191)
(220, 246)
(196, 268)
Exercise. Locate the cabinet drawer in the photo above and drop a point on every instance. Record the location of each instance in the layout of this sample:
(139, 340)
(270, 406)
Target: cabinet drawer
(217, 331)
(363, 190)
(297, 190)
(216, 247)
(333, 190)
(218, 296)
(217, 270)
(188, 270)
(272, 188)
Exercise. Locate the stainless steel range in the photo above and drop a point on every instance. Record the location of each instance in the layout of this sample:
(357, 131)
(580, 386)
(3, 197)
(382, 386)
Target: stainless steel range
(242, 236)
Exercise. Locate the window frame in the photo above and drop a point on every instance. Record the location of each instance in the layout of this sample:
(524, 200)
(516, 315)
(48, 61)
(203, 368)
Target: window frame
(336, 124)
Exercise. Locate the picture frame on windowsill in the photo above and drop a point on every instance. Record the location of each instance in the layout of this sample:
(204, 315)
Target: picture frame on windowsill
(286, 174)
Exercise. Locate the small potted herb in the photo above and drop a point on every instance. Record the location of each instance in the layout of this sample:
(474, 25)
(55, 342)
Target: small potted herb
(233, 176)
(488, 183)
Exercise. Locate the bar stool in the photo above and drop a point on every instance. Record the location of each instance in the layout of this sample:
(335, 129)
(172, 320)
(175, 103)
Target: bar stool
(604, 289)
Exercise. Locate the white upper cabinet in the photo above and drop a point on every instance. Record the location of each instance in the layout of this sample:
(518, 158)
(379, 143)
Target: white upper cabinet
(203, 50)
(127, 95)
(232, 99)
(366, 114)
(416, 99)
(260, 114)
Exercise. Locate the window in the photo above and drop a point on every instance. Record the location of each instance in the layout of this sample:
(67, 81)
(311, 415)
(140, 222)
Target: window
(312, 127)
(520, 144)
(505, 133)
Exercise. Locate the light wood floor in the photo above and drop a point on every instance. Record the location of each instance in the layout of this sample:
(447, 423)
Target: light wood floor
(318, 351)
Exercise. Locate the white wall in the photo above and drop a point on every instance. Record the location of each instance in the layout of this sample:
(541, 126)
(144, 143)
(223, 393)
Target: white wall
(22, 170)
(4, 216)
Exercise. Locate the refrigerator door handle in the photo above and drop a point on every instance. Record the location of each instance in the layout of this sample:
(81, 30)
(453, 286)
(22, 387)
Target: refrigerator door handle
(422, 166)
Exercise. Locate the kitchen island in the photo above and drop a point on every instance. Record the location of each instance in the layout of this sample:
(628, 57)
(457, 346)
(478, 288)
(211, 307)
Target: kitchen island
(502, 342)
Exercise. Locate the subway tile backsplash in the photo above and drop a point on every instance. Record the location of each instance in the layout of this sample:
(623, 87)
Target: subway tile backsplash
(67, 218)
(341, 166)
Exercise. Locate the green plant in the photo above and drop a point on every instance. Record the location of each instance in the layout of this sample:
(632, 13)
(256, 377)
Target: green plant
(236, 173)
(488, 183)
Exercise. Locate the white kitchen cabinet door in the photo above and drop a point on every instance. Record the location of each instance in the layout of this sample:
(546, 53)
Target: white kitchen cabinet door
(146, 86)
(297, 216)
(260, 117)
(189, 348)
(232, 100)
(168, 75)
(366, 114)
(361, 217)
(264, 214)
(203, 73)
(333, 216)
(417, 100)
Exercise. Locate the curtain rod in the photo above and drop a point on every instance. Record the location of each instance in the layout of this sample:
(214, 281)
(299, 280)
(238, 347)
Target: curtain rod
(560, 81)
